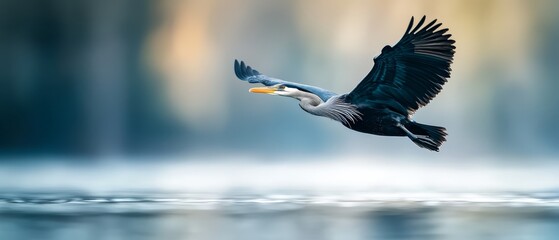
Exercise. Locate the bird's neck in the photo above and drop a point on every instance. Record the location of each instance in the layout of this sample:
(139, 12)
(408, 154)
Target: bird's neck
(309, 103)
(335, 108)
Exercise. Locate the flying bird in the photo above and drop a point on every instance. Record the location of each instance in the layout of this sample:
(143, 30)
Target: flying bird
(404, 78)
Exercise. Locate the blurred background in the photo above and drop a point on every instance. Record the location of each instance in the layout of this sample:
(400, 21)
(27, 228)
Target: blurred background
(141, 93)
(122, 119)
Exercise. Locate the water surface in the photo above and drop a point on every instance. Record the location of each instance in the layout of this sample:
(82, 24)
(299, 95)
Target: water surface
(345, 216)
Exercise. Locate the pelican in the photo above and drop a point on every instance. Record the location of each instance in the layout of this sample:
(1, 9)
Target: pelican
(404, 78)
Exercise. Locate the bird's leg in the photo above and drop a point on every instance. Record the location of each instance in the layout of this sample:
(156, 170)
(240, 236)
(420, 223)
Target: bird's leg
(410, 134)
(422, 141)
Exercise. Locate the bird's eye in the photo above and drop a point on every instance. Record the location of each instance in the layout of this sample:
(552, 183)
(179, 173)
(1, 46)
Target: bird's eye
(281, 87)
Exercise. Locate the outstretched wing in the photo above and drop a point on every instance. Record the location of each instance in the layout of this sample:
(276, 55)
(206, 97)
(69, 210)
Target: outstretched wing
(410, 74)
(246, 73)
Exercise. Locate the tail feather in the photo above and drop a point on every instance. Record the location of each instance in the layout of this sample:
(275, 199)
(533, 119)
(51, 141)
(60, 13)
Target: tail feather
(430, 137)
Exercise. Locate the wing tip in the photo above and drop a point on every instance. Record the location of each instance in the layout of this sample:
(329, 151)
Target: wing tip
(409, 26)
(419, 24)
(431, 27)
(237, 68)
(243, 71)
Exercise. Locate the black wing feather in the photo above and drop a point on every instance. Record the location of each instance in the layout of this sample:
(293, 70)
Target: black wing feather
(246, 73)
(411, 73)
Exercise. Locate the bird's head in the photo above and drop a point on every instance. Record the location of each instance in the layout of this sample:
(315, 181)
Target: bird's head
(278, 89)
(292, 92)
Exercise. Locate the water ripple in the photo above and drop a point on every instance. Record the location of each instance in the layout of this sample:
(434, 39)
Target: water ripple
(74, 203)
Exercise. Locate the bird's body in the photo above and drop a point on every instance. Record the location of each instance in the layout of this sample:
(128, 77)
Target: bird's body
(404, 78)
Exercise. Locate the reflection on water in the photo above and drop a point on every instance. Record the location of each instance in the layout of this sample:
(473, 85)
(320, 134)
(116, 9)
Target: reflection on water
(343, 217)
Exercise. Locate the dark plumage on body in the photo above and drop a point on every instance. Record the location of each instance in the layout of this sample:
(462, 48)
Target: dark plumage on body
(404, 78)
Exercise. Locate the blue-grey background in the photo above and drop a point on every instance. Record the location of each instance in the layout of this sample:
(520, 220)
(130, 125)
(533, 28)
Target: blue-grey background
(101, 78)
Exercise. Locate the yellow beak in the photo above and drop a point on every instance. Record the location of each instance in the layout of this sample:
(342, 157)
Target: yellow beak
(268, 90)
